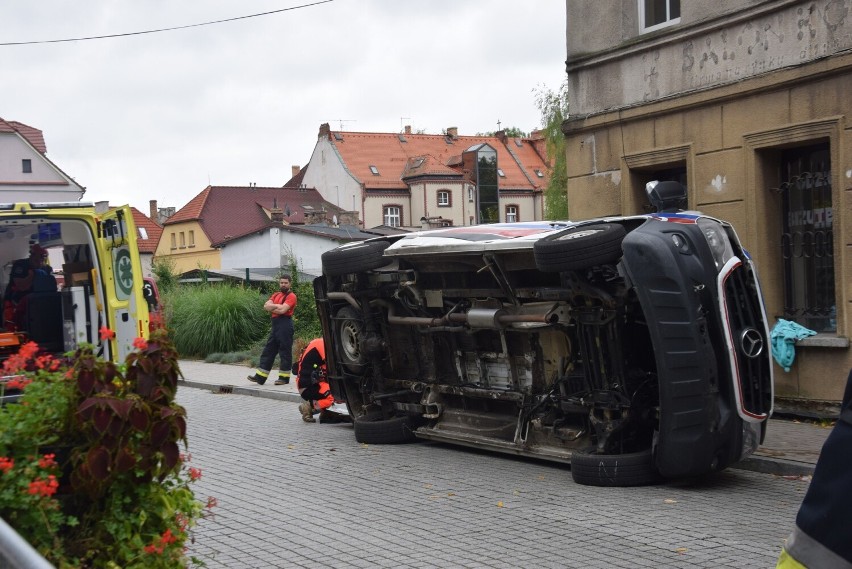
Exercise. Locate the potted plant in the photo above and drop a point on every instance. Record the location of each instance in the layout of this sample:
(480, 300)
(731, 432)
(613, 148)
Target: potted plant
(94, 468)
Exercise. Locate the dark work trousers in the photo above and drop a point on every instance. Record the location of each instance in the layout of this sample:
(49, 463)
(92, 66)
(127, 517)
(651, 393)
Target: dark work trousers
(280, 343)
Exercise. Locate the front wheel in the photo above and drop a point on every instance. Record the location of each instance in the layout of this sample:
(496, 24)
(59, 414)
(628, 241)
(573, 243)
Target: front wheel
(579, 248)
(613, 470)
(349, 335)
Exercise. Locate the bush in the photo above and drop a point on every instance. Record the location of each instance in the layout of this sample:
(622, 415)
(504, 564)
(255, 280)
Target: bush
(215, 318)
(91, 469)
(165, 273)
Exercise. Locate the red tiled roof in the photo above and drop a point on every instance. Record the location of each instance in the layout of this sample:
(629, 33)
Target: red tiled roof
(152, 229)
(227, 212)
(296, 180)
(33, 135)
(394, 155)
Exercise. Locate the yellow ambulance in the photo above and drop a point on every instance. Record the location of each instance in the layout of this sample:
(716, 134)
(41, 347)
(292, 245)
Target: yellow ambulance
(70, 274)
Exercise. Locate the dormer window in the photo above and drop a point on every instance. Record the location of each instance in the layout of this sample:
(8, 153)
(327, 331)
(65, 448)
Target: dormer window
(374, 170)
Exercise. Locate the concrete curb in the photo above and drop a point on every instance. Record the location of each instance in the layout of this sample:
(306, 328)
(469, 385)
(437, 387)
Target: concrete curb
(251, 391)
(776, 466)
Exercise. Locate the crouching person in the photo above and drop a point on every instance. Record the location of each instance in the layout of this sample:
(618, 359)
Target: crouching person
(310, 373)
(821, 538)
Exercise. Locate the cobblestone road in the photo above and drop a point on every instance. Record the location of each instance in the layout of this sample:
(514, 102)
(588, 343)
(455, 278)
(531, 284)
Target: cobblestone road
(292, 494)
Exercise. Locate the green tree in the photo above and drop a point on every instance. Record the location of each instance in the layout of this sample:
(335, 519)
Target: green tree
(165, 273)
(511, 132)
(553, 106)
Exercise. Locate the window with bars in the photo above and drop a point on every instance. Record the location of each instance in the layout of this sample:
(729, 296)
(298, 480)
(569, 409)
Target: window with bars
(807, 239)
(392, 215)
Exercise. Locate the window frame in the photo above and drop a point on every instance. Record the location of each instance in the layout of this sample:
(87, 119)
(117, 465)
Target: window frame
(669, 21)
(26, 166)
(449, 200)
(385, 208)
(516, 213)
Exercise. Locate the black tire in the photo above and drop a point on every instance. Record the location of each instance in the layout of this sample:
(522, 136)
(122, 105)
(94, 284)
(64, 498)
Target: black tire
(579, 248)
(384, 432)
(355, 259)
(613, 470)
(348, 327)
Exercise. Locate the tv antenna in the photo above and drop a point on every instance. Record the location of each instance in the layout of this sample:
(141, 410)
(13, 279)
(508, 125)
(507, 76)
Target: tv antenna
(341, 121)
(402, 123)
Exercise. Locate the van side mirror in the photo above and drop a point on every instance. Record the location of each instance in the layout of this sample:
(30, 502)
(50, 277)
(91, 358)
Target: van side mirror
(666, 196)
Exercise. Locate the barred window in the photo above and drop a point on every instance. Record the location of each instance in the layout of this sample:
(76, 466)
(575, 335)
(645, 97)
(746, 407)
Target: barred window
(807, 240)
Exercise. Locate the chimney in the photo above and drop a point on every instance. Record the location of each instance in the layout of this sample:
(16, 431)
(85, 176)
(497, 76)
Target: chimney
(152, 211)
(294, 170)
(501, 136)
(325, 130)
(276, 214)
(408, 129)
(453, 131)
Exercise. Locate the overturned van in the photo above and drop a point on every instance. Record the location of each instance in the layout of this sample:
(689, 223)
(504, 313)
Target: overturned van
(89, 277)
(634, 348)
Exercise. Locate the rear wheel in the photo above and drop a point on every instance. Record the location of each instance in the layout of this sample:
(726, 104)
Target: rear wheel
(384, 431)
(579, 248)
(349, 334)
(355, 259)
(615, 470)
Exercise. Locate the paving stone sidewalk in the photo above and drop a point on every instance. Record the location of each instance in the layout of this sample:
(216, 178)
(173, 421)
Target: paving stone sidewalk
(791, 448)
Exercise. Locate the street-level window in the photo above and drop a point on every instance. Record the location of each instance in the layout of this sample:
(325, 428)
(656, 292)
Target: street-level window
(27, 166)
(511, 213)
(392, 215)
(656, 14)
(443, 198)
(807, 239)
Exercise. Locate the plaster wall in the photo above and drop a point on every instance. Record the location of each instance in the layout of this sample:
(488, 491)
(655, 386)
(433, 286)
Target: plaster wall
(715, 44)
(326, 173)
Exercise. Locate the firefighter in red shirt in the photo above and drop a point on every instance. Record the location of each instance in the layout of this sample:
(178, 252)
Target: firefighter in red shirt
(280, 343)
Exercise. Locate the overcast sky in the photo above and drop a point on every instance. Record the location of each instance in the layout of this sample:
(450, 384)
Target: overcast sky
(162, 115)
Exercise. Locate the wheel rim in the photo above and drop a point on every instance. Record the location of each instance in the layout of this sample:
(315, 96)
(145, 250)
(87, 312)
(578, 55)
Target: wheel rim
(350, 332)
(578, 234)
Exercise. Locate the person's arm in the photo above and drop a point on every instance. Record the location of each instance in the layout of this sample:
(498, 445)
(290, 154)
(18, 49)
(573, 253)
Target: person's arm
(311, 362)
(284, 306)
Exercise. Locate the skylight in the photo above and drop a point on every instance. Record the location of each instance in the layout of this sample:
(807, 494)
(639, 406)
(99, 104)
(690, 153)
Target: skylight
(501, 173)
(374, 170)
(142, 232)
(539, 173)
